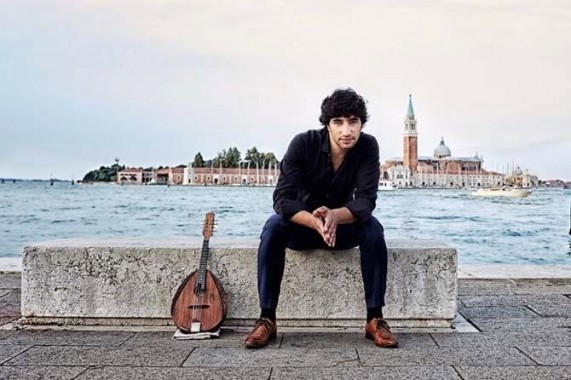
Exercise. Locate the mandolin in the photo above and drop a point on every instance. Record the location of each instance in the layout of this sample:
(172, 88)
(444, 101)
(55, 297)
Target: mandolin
(200, 302)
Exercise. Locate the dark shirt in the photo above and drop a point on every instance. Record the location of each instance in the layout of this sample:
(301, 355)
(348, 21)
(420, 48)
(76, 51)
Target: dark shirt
(307, 179)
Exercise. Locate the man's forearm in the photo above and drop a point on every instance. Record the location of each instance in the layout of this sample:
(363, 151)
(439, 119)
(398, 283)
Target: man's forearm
(343, 215)
(304, 218)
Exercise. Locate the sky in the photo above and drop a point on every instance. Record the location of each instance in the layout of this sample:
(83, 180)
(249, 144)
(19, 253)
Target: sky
(155, 82)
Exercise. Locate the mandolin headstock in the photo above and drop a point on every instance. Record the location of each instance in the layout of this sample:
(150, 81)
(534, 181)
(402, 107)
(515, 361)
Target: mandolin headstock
(208, 228)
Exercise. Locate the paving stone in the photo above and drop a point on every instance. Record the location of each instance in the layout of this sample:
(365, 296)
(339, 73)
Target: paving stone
(8, 309)
(369, 373)
(344, 340)
(6, 320)
(153, 373)
(227, 339)
(12, 296)
(511, 373)
(292, 357)
(64, 337)
(552, 310)
(506, 338)
(40, 373)
(496, 312)
(437, 356)
(549, 355)
(522, 324)
(10, 280)
(100, 356)
(547, 286)
(516, 300)
(486, 287)
(9, 351)
(3, 292)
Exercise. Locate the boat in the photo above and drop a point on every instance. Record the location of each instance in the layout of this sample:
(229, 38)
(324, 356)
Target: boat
(509, 192)
(386, 185)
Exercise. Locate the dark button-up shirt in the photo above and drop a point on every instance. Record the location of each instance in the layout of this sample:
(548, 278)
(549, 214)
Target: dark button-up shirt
(307, 179)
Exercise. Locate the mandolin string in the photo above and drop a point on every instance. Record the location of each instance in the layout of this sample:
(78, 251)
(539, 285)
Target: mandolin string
(203, 270)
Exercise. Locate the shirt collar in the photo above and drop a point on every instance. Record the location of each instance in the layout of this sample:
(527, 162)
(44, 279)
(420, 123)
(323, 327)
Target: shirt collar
(325, 145)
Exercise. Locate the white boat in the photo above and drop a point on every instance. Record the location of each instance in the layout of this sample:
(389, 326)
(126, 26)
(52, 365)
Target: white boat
(502, 192)
(386, 185)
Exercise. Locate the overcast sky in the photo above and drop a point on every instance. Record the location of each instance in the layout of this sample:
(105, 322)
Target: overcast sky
(155, 82)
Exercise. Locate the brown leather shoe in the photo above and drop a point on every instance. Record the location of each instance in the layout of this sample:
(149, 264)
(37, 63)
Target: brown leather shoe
(264, 330)
(378, 330)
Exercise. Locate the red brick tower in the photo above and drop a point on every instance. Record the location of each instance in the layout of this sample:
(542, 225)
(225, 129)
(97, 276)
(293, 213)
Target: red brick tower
(410, 139)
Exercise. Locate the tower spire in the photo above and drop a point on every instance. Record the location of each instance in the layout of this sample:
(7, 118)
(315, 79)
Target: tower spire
(410, 111)
(410, 140)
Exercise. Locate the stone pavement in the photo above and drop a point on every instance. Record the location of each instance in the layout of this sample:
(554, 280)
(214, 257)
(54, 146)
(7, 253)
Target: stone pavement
(525, 333)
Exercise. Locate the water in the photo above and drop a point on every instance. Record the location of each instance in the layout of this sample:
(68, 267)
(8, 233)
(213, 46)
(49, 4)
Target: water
(531, 230)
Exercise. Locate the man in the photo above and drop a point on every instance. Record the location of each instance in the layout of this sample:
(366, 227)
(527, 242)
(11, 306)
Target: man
(324, 199)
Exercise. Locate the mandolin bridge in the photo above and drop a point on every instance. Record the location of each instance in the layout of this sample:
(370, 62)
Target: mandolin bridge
(198, 306)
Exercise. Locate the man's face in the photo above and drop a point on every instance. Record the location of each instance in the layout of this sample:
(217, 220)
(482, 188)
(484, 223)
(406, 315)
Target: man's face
(344, 132)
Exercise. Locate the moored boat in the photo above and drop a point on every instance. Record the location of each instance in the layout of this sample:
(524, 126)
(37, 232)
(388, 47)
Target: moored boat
(386, 185)
(502, 192)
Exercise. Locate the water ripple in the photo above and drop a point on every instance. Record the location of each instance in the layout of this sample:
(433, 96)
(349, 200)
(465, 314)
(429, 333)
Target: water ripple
(492, 230)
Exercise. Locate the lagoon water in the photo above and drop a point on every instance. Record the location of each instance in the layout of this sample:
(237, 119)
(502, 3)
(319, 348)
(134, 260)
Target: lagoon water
(532, 230)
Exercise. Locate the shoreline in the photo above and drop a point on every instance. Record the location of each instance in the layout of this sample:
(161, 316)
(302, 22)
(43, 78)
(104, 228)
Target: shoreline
(465, 271)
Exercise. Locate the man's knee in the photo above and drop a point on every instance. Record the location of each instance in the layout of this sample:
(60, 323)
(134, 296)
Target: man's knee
(276, 227)
(373, 232)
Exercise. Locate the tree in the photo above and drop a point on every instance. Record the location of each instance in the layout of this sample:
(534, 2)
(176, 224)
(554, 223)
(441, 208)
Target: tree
(270, 158)
(254, 156)
(198, 161)
(233, 158)
(228, 158)
(104, 174)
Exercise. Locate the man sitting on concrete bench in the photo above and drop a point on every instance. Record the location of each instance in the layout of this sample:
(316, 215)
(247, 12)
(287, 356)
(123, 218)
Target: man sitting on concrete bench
(324, 199)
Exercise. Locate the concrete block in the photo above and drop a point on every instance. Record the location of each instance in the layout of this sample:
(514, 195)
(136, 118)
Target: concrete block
(134, 281)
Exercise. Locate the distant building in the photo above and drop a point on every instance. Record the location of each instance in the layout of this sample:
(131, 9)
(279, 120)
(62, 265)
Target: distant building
(439, 170)
(519, 178)
(130, 176)
(187, 175)
(242, 176)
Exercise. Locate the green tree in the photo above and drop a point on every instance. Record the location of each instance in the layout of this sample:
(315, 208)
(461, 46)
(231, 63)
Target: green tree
(233, 158)
(198, 161)
(103, 174)
(253, 156)
(269, 158)
(228, 158)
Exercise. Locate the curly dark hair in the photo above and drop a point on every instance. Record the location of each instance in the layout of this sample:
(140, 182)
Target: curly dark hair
(344, 103)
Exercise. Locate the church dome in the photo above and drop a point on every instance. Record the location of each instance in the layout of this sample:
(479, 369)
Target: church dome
(518, 171)
(442, 150)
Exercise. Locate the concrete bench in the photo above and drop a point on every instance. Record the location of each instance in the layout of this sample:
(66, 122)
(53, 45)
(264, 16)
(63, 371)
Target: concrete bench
(132, 282)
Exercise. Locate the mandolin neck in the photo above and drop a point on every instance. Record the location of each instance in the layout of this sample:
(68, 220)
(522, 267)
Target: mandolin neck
(201, 282)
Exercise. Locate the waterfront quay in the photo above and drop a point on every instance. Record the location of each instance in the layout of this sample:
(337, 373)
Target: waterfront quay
(517, 325)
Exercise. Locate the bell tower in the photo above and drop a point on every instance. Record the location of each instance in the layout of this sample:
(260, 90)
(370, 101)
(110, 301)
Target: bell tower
(410, 139)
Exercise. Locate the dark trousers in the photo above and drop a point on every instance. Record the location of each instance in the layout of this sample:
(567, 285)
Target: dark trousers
(279, 233)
